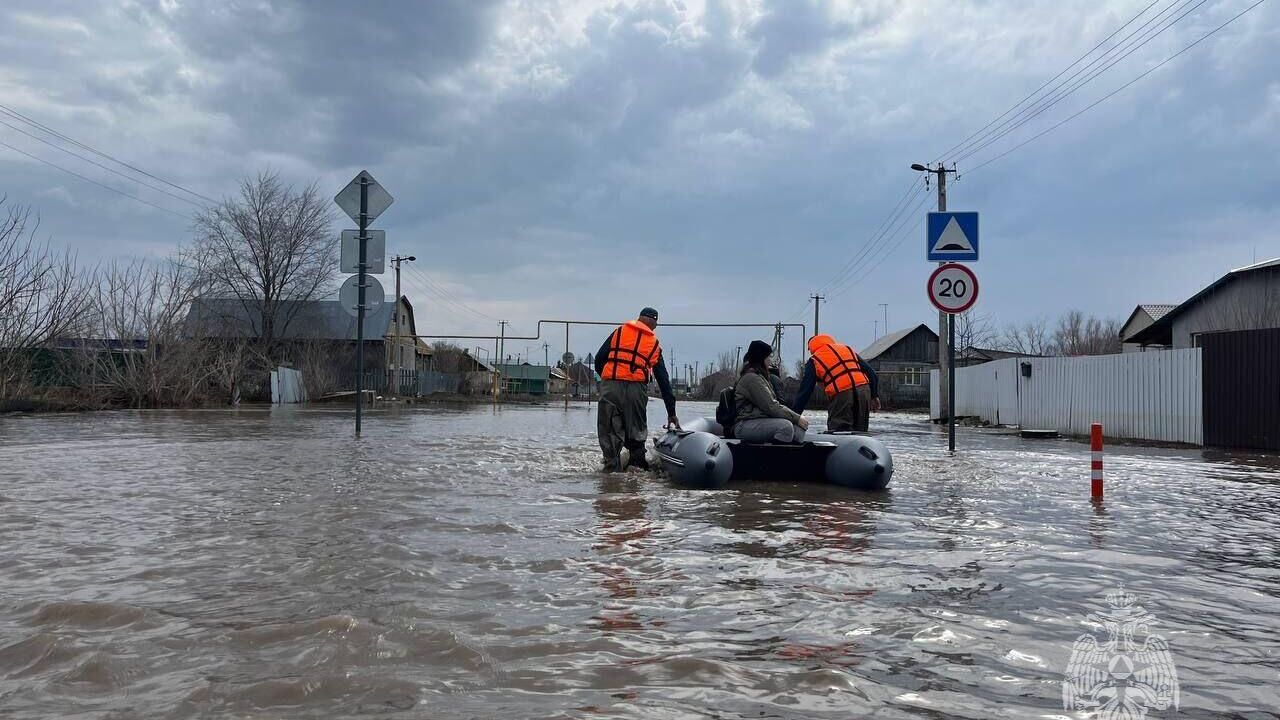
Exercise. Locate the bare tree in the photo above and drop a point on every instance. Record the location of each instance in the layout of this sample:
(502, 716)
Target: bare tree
(1077, 334)
(729, 360)
(143, 353)
(42, 297)
(1030, 338)
(975, 330)
(323, 366)
(271, 248)
(448, 357)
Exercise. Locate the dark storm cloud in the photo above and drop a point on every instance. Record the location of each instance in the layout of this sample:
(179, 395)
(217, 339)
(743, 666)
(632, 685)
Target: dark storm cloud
(354, 77)
(539, 151)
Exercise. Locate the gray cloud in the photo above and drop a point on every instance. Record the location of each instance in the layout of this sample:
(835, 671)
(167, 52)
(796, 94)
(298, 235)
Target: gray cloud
(541, 152)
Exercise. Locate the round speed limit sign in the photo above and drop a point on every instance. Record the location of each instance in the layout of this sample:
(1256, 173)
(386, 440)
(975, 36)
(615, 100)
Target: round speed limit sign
(953, 288)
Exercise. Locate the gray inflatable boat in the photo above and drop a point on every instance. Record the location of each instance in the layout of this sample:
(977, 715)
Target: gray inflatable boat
(700, 456)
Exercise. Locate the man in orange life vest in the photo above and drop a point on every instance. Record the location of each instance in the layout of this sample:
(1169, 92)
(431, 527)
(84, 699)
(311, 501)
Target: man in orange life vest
(853, 388)
(625, 362)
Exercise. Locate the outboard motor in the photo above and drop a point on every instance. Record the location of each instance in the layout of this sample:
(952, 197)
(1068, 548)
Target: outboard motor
(695, 459)
(861, 462)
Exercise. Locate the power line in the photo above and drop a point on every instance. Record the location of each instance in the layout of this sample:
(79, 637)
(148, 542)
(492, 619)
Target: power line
(1115, 92)
(884, 226)
(98, 164)
(900, 236)
(1063, 95)
(869, 251)
(887, 249)
(1035, 92)
(444, 295)
(90, 180)
(61, 136)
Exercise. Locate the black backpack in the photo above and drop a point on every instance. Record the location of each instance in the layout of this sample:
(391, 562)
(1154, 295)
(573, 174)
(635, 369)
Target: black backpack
(727, 411)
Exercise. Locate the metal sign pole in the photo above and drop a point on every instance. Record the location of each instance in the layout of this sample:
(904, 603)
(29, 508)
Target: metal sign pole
(364, 248)
(951, 383)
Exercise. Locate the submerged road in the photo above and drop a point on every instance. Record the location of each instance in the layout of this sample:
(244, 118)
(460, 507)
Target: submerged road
(471, 563)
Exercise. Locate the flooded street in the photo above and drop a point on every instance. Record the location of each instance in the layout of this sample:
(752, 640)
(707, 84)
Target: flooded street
(471, 563)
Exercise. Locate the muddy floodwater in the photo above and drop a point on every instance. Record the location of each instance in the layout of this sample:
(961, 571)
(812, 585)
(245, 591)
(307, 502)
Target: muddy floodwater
(471, 563)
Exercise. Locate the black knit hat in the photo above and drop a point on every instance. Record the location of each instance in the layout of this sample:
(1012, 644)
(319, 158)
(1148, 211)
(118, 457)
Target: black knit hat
(649, 313)
(757, 352)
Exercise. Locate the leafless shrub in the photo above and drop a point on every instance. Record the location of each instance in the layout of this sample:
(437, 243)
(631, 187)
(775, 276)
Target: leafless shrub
(140, 348)
(321, 364)
(43, 296)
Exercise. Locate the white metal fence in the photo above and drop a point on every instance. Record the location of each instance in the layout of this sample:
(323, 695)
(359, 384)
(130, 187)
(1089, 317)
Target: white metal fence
(286, 386)
(1142, 396)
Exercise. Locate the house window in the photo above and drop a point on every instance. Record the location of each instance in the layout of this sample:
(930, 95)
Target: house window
(911, 376)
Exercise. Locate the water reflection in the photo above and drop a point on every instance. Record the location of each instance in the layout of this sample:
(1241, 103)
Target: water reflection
(622, 530)
(472, 563)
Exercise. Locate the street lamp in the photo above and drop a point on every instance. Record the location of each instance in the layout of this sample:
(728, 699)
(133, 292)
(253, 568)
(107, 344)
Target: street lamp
(398, 358)
(919, 168)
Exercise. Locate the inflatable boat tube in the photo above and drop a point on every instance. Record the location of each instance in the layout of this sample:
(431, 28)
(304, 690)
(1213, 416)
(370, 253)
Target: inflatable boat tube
(700, 457)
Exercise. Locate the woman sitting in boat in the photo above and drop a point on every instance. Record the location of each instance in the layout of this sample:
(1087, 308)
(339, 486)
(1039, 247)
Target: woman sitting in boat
(761, 418)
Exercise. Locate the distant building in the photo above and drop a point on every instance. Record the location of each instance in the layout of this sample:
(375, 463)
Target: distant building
(903, 359)
(976, 356)
(559, 381)
(524, 379)
(583, 379)
(1244, 299)
(321, 326)
(1142, 317)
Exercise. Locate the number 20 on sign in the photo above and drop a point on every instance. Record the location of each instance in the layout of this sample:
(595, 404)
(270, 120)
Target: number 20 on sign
(953, 288)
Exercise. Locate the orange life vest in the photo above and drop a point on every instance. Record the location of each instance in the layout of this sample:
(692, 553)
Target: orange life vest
(633, 351)
(836, 365)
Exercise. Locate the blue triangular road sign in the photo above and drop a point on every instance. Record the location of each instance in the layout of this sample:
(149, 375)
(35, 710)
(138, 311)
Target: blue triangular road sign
(951, 237)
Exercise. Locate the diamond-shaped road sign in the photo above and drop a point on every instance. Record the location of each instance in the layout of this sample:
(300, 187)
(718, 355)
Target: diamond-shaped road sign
(951, 237)
(349, 198)
(375, 251)
(349, 295)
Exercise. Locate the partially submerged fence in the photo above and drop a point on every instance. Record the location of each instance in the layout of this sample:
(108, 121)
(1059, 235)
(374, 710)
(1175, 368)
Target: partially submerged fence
(1141, 396)
(287, 387)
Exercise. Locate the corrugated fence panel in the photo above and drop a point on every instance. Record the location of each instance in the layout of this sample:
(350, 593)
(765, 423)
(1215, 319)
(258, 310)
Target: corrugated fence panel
(286, 386)
(1142, 396)
(1241, 397)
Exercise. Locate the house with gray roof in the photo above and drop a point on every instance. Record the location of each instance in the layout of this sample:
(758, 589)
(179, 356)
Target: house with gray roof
(323, 326)
(903, 359)
(1142, 317)
(1246, 298)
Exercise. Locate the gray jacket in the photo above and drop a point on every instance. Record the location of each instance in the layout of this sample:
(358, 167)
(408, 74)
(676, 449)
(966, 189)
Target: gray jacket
(755, 399)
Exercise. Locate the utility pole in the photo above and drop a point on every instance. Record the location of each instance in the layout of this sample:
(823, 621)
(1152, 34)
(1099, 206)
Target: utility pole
(502, 349)
(817, 300)
(946, 322)
(399, 353)
(886, 317)
(777, 346)
(876, 327)
(546, 356)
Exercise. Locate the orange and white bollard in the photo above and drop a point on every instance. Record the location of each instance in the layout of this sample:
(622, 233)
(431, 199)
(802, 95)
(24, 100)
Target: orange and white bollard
(1095, 443)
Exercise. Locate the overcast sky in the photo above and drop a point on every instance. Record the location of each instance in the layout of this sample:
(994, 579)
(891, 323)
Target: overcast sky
(718, 160)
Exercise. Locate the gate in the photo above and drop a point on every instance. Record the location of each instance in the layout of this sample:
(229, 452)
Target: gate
(1242, 389)
(430, 381)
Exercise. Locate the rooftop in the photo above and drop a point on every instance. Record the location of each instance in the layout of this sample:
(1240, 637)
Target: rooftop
(302, 320)
(880, 346)
(1160, 332)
